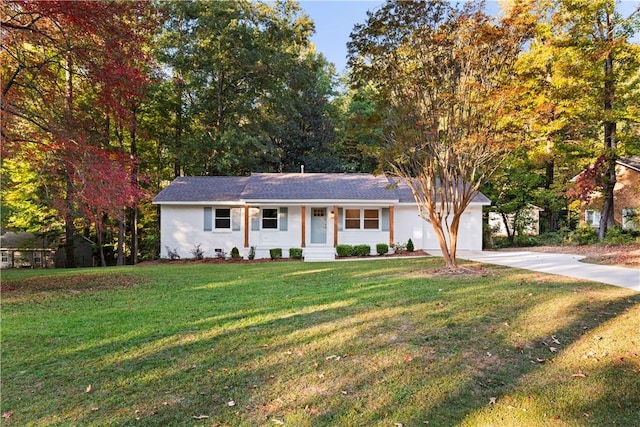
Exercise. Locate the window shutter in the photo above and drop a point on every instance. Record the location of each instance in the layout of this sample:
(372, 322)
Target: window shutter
(340, 219)
(208, 219)
(284, 219)
(385, 219)
(236, 219)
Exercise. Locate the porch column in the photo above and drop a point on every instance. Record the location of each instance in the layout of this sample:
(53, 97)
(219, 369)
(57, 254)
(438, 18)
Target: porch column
(391, 226)
(335, 226)
(246, 226)
(303, 233)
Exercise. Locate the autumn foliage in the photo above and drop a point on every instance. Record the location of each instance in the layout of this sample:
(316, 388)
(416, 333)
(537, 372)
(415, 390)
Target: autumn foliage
(73, 75)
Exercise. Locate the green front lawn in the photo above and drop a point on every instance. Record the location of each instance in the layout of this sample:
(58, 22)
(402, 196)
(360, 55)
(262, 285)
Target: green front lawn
(366, 343)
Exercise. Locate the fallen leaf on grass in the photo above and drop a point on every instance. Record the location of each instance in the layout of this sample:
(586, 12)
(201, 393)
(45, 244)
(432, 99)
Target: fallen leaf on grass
(492, 400)
(231, 403)
(89, 389)
(94, 409)
(277, 421)
(579, 374)
(7, 414)
(332, 357)
(555, 340)
(553, 349)
(200, 417)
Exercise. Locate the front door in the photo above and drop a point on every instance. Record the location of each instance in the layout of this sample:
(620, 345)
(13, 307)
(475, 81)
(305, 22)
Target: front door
(319, 225)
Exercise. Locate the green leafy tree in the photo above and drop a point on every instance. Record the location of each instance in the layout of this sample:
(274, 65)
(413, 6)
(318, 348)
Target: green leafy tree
(226, 63)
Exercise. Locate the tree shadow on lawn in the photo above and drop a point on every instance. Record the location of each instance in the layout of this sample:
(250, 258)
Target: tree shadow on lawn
(385, 347)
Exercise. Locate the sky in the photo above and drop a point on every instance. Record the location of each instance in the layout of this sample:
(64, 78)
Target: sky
(334, 21)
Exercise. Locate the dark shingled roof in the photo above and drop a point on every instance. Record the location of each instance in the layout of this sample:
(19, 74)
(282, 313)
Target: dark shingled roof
(405, 195)
(630, 162)
(203, 189)
(317, 186)
(289, 186)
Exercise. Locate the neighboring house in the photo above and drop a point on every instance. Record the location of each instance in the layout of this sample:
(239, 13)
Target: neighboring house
(26, 250)
(626, 195)
(83, 253)
(312, 211)
(528, 219)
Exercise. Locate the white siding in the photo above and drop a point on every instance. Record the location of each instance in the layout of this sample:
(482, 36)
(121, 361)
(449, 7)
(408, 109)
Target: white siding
(410, 225)
(182, 228)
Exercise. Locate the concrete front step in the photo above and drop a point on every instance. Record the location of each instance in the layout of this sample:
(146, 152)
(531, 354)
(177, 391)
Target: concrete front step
(320, 254)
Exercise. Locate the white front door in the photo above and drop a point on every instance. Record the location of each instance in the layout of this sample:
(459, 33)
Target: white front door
(318, 225)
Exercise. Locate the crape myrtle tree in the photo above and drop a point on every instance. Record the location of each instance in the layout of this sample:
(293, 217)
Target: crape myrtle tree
(70, 70)
(441, 73)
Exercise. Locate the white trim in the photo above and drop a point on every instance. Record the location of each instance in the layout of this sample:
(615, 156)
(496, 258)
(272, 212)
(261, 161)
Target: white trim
(235, 203)
(320, 202)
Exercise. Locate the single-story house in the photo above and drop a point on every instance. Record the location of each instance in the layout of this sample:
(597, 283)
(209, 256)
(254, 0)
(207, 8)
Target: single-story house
(20, 249)
(626, 197)
(312, 211)
(528, 219)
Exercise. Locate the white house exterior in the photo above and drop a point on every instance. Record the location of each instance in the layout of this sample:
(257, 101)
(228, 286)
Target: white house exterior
(312, 211)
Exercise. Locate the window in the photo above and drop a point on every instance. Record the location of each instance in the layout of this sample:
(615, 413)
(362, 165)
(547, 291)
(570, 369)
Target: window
(352, 219)
(371, 219)
(222, 219)
(270, 218)
(362, 219)
(630, 219)
(5, 256)
(592, 218)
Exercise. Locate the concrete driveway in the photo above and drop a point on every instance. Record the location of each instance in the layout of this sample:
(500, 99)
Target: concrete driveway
(560, 264)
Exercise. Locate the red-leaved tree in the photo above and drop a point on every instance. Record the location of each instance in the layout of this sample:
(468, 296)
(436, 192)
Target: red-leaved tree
(70, 70)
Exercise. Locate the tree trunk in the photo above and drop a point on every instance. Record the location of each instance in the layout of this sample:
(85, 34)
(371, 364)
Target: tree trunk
(550, 223)
(69, 247)
(448, 252)
(134, 182)
(609, 179)
(100, 241)
(121, 237)
(505, 221)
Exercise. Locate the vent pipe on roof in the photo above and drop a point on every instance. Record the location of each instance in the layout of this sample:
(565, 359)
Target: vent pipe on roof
(301, 168)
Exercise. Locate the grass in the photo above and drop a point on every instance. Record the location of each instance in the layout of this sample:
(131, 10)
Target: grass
(316, 344)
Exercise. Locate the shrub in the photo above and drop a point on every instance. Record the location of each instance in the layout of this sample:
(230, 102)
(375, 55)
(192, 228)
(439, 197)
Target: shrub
(618, 236)
(382, 248)
(362, 250)
(295, 253)
(399, 247)
(344, 250)
(275, 253)
(583, 235)
(220, 253)
(235, 253)
(410, 247)
(523, 240)
(197, 252)
(172, 253)
(252, 252)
